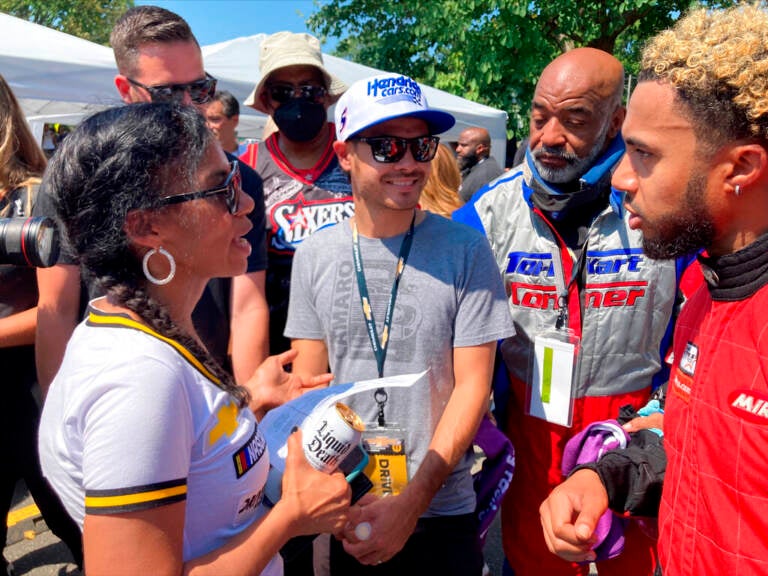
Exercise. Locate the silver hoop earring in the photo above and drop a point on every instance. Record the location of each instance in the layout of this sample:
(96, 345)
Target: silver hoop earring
(737, 190)
(171, 262)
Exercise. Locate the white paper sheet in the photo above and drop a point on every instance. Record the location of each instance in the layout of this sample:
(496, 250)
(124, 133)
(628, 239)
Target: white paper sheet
(278, 422)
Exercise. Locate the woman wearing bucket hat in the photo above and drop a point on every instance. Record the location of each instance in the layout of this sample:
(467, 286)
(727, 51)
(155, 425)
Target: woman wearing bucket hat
(304, 187)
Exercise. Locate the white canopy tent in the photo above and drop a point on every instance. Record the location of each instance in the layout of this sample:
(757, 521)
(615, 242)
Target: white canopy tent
(239, 58)
(56, 77)
(60, 78)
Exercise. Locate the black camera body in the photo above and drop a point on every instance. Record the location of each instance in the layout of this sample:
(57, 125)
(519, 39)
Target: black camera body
(30, 241)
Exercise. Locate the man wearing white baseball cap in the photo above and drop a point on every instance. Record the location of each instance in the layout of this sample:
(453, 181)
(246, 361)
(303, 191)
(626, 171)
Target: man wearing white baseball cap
(304, 187)
(396, 290)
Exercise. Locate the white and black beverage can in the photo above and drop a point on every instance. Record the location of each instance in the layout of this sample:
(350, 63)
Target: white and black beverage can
(328, 437)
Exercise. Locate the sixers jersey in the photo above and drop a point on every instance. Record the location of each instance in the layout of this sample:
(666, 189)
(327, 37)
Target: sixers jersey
(298, 204)
(621, 304)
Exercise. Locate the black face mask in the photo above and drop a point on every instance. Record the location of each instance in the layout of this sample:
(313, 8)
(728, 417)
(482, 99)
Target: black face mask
(300, 119)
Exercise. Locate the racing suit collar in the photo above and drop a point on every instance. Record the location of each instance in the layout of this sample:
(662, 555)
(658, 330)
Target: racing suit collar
(739, 275)
(593, 183)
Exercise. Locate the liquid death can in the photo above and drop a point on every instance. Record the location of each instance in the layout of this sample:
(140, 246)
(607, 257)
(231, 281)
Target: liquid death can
(330, 436)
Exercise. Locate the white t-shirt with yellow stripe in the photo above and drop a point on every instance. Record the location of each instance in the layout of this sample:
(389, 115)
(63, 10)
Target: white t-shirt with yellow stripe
(133, 421)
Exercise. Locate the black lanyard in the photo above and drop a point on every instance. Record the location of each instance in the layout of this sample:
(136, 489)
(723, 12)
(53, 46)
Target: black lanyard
(380, 346)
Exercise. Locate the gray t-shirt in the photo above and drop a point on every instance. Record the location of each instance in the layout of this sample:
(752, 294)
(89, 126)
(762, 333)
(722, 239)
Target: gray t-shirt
(450, 296)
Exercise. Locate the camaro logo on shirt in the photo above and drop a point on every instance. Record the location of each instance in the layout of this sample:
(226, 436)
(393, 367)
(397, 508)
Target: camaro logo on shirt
(751, 405)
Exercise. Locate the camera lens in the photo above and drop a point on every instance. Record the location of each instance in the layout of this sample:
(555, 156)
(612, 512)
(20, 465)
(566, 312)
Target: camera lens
(28, 242)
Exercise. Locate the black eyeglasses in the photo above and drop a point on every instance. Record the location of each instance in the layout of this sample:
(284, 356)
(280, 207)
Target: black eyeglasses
(390, 149)
(281, 93)
(232, 187)
(200, 91)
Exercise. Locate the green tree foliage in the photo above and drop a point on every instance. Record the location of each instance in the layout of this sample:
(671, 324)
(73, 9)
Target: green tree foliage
(489, 51)
(89, 19)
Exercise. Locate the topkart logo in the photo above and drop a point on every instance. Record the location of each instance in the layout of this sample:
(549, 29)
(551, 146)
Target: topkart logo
(608, 295)
(529, 264)
(596, 294)
(611, 263)
(597, 263)
(392, 89)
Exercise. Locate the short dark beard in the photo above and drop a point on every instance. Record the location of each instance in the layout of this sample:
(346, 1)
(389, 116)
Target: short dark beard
(684, 233)
(467, 162)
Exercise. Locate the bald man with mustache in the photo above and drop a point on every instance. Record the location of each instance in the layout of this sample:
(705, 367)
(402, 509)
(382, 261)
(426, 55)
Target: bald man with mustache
(577, 280)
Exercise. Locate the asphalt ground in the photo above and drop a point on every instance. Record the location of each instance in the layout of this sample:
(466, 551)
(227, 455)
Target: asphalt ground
(31, 547)
(34, 550)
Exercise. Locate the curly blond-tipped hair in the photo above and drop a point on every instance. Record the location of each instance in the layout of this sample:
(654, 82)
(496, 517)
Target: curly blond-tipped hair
(718, 63)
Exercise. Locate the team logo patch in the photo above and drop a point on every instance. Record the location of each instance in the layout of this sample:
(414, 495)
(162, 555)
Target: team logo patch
(682, 376)
(391, 90)
(751, 405)
(250, 453)
(297, 219)
(530, 279)
(688, 361)
(248, 505)
(596, 295)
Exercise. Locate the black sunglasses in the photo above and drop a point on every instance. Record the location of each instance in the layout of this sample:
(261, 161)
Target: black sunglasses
(232, 187)
(200, 91)
(390, 149)
(281, 93)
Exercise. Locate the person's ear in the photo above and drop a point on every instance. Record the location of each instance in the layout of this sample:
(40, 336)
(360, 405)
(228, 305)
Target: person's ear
(343, 153)
(140, 228)
(746, 164)
(124, 88)
(617, 119)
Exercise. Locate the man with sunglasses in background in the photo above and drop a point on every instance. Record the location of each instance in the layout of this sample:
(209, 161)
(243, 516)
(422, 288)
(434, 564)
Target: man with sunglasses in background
(397, 290)
(159, 60)
(590, 308)
(304, 188)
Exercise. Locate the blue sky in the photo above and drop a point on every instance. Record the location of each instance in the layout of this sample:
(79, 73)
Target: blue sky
(218, 20)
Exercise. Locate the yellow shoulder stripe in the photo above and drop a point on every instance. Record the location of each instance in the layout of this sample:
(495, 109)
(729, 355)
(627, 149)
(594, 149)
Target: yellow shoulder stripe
(114, 320)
